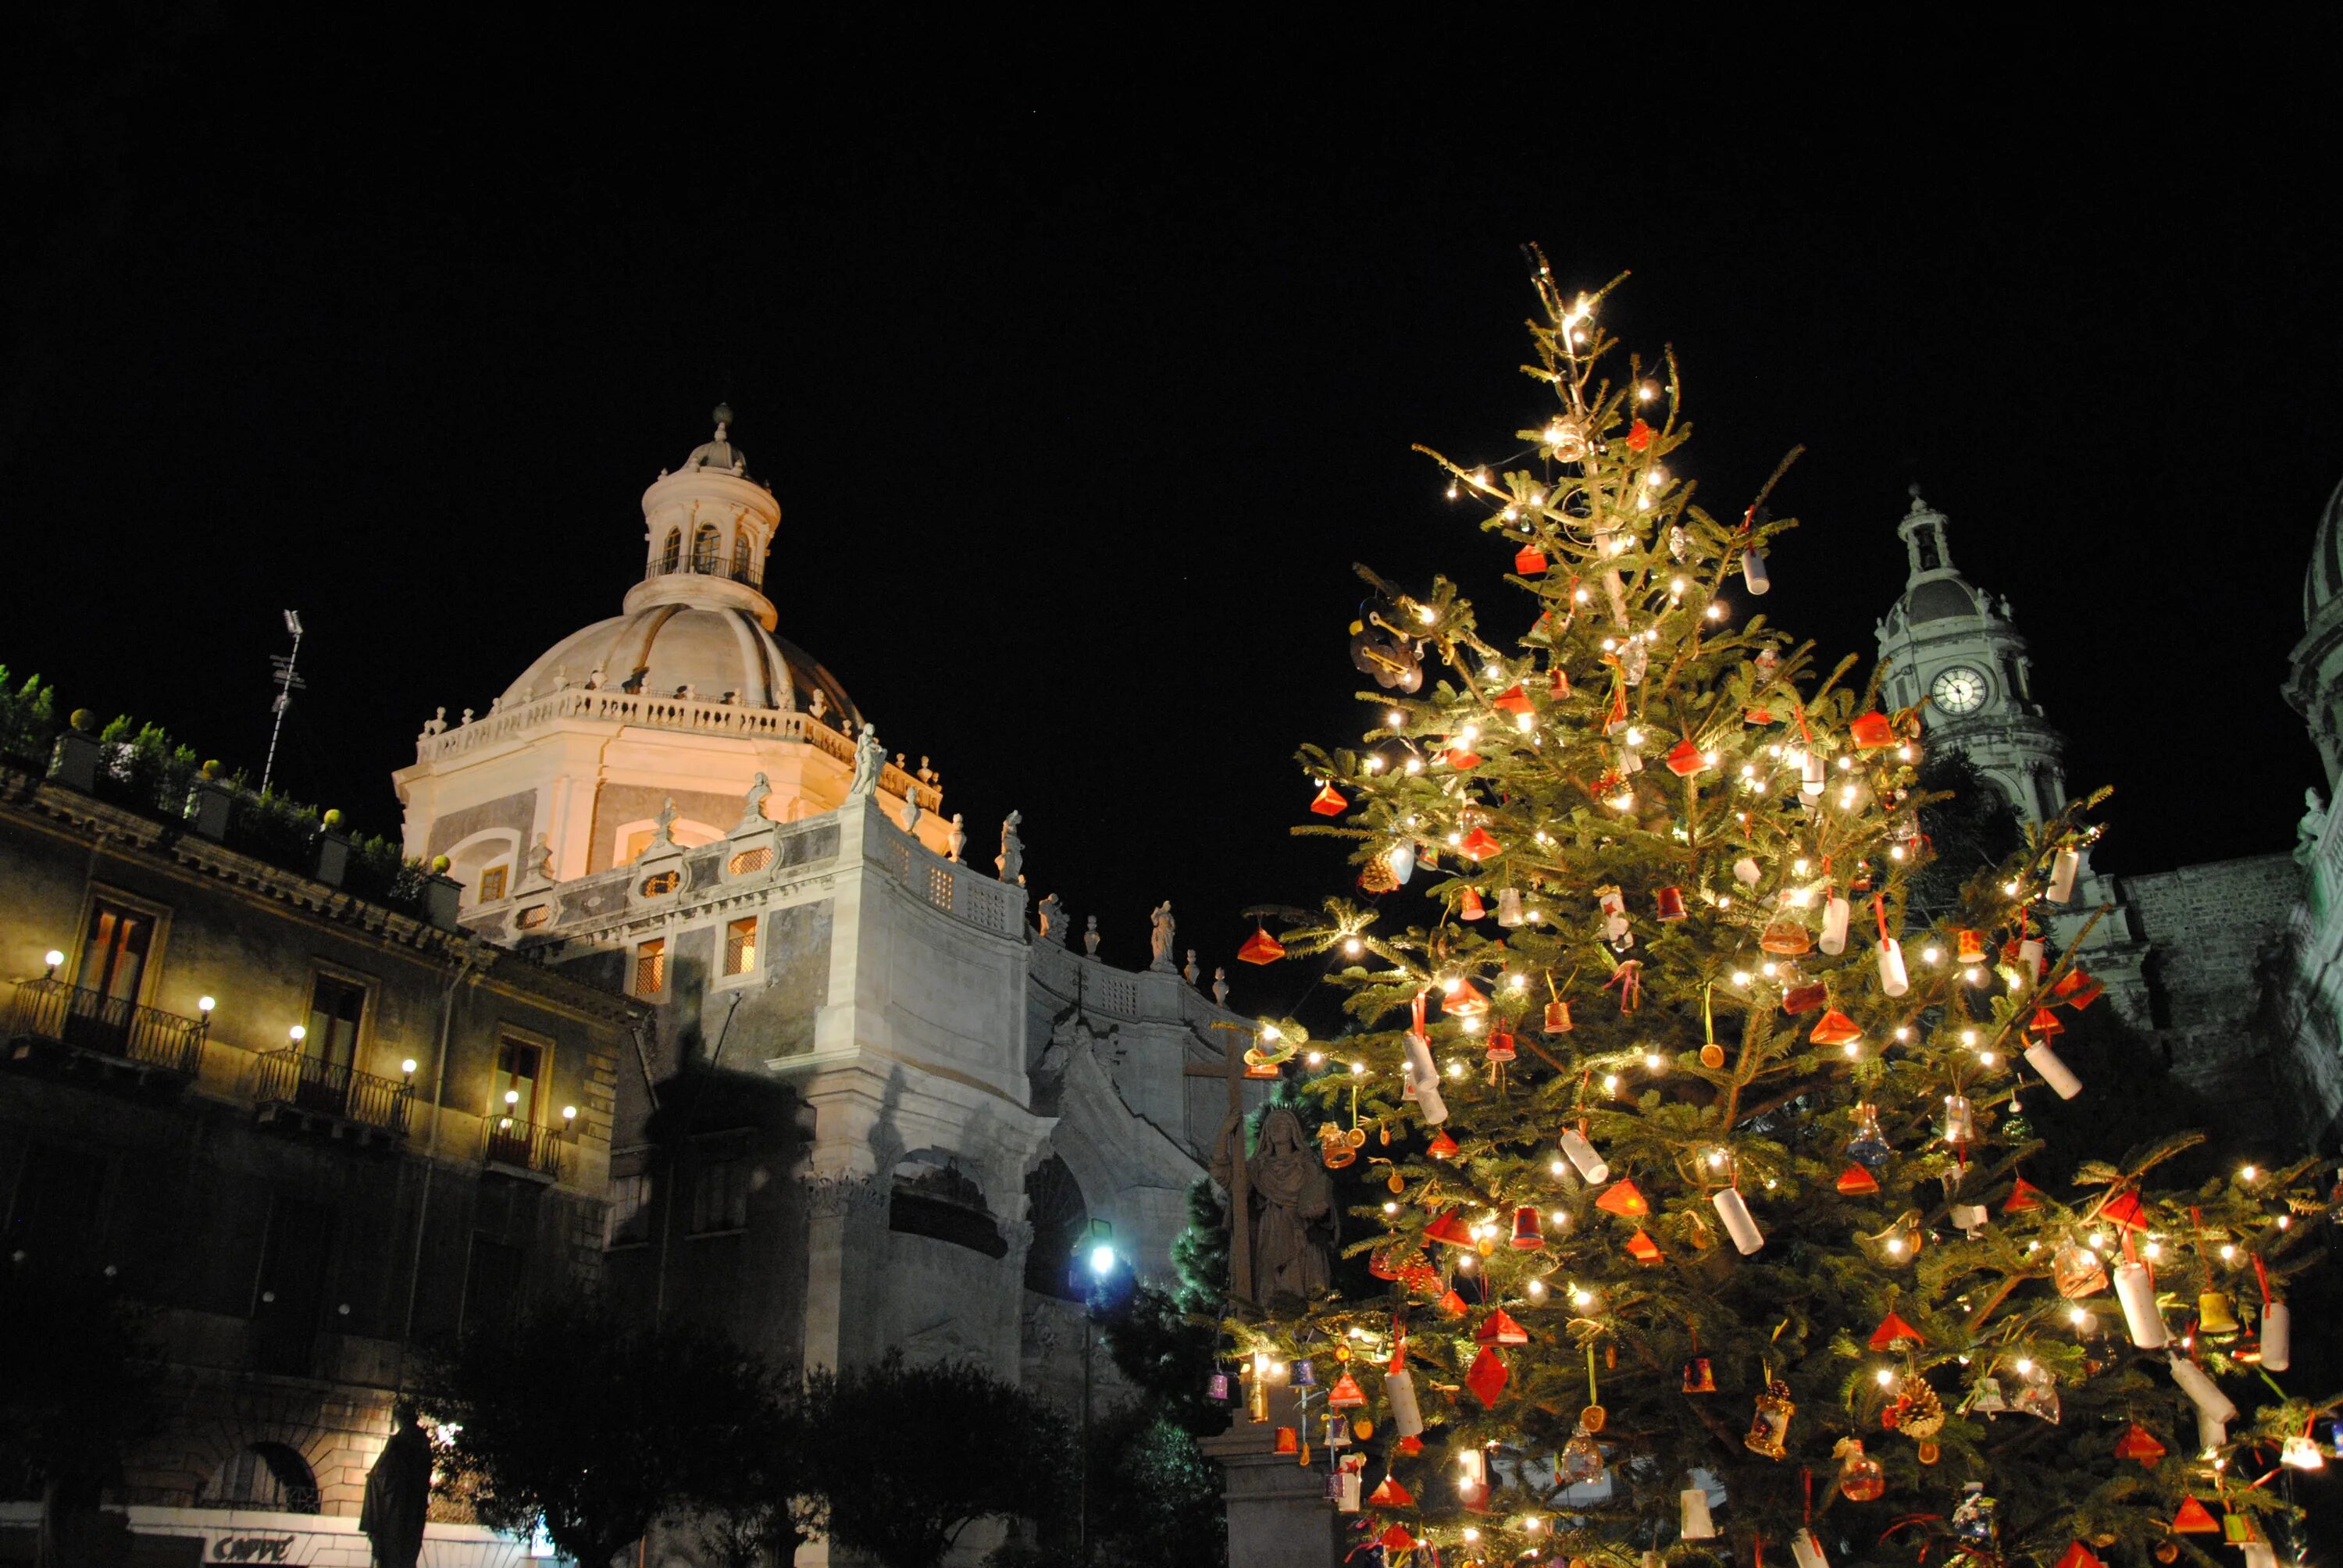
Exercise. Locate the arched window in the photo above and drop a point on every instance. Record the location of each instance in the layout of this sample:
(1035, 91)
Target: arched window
(670, 555)
(703, 550)
(265, 1475)
(741, 556)
(1054, 1207)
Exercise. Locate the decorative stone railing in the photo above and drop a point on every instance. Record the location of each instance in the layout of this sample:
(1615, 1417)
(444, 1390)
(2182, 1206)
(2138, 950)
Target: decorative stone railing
(1120, 993)
(606, 706)
(961, 892)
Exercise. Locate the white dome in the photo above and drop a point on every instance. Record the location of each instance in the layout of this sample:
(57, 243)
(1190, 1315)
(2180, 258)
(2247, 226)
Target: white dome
(661, 649)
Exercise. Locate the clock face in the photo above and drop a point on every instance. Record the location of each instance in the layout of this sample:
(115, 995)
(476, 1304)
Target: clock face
(1959, 689)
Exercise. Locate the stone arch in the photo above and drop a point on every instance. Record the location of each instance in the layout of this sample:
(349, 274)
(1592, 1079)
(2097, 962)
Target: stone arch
(1060, 1217)
(671, 554)
(491, 846)
(930, 1195)
(274, 1476)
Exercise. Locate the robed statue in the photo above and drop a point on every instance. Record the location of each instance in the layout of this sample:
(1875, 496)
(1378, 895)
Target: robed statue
(1293, 1220)
(397, 1490)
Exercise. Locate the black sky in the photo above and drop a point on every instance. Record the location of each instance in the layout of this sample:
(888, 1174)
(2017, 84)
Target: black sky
(1078, 412)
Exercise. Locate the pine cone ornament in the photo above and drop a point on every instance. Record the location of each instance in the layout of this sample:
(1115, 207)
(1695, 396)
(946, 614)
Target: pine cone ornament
(1916, 1412)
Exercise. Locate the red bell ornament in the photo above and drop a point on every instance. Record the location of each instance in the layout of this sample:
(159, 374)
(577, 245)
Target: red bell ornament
(1329, 801)
(1528, 1236)
(1871, 731)
(1470, 907)
(1479, 845)
(1968, 947)
(1671, 903)
(1501, 1043)
(1512, 700)
(1529, 561)
(1557, 1017)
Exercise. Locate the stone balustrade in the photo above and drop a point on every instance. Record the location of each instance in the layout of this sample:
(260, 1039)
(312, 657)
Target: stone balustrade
(607, 705)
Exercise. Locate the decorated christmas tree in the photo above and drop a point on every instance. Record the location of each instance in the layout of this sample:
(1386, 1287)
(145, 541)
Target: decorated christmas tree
(1705, 1199)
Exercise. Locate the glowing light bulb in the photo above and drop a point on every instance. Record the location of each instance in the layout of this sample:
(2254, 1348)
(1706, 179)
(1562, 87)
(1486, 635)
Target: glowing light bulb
(1716, 1158)
(1895, 853)
(1353, 947)
(1798, 866)
(2229, 1254)
(1357, 1068)
(1610, 1083)
(1985, 1058)
(1455, 1070)
(2154, 1251)
(1931, 955)
(1854, 1048)
(1741, 977)
(1886, 1376)
(1316, 1058)
(1716, 612)
(2024, 1366)
(2247, 1173)
(1424, 613)
(1556, 1167)
(1653, 1060)
(1537, 1290)
(1768, 969)
(1415, 765)
(1902, 1032)
(1895, 1246)
(1559, 1217)
(1968, 1037)
(297, 1033)
(2077, 1316)
(1390, 1207)
(1582, 1298)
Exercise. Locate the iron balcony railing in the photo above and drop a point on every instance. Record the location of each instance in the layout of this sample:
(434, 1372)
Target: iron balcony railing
(50, 1009)
(333, 1088)
(524, 1145)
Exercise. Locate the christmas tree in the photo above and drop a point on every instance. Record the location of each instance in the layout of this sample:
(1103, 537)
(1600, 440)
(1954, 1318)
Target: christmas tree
(1708, 1210)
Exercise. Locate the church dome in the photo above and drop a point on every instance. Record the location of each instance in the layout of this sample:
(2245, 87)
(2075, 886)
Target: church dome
(1938, 598)
(660, 649)
(2324, 584)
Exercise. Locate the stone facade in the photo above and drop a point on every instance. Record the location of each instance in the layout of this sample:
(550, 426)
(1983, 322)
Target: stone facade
(276, 1113)
(2213, 933)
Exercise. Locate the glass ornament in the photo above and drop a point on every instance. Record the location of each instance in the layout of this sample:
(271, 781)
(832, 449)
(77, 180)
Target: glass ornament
(1860, 1478)
(1868, 1147)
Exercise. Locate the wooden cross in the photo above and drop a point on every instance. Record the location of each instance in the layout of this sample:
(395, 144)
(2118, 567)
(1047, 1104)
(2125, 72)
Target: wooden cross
(1232, 1070)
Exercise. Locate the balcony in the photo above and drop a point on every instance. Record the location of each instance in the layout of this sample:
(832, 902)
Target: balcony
(308, 1095)
(75, 1030)
(523, 1147)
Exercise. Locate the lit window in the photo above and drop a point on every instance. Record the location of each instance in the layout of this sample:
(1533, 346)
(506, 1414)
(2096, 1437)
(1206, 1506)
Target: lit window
(740, 557)
(704, 543)
(492, 884)
(673, 554)
(659, 884)
(740, 946)
(749, 861)
(650, 966)
(519, 1063)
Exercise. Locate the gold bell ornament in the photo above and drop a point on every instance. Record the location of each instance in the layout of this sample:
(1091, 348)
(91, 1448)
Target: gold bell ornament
(2216, 1314)
(1769, 1428)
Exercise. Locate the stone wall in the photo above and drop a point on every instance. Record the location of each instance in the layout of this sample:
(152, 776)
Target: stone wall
(2213, 932)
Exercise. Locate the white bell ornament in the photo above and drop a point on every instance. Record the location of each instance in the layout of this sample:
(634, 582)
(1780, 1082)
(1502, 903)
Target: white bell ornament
(1593, 1169)
(2141, 1319)
(1693, 1521)
(2277, 1337)
(1399, 1392)
(1893, 979)
(1738, 1224)
(2055, 1073)
(2064, 865)
(1745, 871)
(1808, 1551)
(1424, 1078)
(1833, 940)
(2201, 1389)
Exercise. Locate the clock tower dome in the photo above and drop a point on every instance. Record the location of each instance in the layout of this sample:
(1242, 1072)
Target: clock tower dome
(1952, 650)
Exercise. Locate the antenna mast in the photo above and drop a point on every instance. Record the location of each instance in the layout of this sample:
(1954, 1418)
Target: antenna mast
(289, 681)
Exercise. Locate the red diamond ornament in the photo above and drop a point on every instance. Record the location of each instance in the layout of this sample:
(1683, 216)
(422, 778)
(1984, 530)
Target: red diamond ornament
(1488, 1377)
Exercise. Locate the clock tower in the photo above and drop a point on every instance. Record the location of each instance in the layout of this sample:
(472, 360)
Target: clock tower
(1952, 650)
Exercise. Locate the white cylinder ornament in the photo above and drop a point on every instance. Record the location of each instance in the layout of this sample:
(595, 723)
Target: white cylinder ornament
(2141, 1319)
(1806, 1551)
(2202, 1391)
(2055, 1073)
(1692, 1522)
(1347, 1491)
(2277, 1337)
(2030, 955)
(1735, 1212)
(1815, 777)
(1893, 979)
(1423, 1077)
(2259, 1554)
(2064, 867)
(1752, 572)
(2211, 1432)
(1592, 1167)
(1399, 1391)
(1836, 911)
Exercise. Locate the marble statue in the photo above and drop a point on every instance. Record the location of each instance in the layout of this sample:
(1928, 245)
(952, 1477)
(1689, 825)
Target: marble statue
(594, 681)
(869, 760)
(1295, 1222)
(820, 705)
(926, 774)
(1221, 987)
(959, 839)
(1161, 938)
(536, 866)
(2311, 829)
(757, 790)
(911, 812)
(666, 834)
(1010, 861)
(1053, 920)
(1090, 937)
(1189, 971)
(399, 1492)
(438, 723)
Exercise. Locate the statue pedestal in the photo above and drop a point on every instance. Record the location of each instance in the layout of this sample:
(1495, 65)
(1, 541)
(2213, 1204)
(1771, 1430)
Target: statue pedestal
(1278, 1514)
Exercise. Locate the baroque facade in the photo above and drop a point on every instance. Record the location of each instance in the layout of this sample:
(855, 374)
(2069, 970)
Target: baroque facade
(301, 1127)
(875, 1106)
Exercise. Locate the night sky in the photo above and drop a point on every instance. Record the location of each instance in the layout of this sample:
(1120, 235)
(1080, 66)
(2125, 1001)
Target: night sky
(1079, 413)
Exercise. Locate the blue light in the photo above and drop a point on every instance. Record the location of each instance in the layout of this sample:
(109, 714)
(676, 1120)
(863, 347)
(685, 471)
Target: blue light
(1101, 1261)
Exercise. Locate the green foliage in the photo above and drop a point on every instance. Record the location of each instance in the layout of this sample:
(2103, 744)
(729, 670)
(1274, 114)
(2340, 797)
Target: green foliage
(600, 1426)
(910, 1456)
(28, 721)
(1642, 739)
